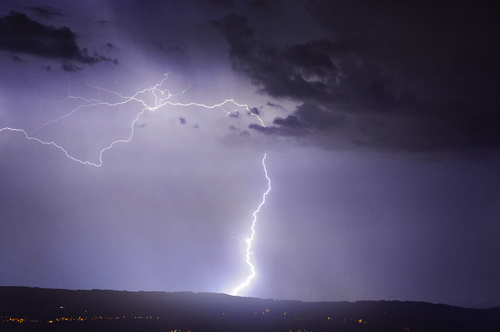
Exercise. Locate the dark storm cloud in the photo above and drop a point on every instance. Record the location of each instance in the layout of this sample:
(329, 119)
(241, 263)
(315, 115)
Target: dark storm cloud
(17, 58)
(110, 46)
(46, 12)
(71, 68)
(221, 3)
(255, 111)
(259, 4)
(278, 106)
(393, 76)
(312, 116)
(307, 118)
(21, 34)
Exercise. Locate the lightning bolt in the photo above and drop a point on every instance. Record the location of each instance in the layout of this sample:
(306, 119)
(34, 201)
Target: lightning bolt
(161, 98)
(249, 241)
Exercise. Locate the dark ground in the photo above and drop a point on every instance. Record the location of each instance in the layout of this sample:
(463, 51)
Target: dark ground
(36, 309)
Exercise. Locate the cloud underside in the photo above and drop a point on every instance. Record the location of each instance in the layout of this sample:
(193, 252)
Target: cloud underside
(20, 34)
(417, 82)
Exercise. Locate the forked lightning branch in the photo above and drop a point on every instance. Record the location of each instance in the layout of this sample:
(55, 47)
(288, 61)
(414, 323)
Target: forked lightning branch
(161, 100)
(151, 99)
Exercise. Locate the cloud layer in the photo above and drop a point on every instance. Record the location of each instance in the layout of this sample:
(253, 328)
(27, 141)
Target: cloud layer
(392, 76)
(21, 34)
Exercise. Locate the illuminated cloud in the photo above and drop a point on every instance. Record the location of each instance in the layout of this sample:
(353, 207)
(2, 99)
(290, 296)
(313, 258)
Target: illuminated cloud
(379, 121)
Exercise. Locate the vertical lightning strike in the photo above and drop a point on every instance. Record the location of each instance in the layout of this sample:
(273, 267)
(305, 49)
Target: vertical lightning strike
(250, 239)
(161, 98)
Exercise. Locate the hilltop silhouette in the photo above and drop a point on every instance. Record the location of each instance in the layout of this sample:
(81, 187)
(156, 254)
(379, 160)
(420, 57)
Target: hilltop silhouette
(38, 309)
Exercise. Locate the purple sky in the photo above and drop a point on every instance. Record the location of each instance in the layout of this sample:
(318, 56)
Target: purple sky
(381, 134)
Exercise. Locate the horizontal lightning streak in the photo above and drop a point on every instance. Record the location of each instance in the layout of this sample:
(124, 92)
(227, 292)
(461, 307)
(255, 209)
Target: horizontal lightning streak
(251, 238)
(159, 101)
(161, 98)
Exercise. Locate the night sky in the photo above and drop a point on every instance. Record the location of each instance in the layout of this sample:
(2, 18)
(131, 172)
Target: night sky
(380, 123)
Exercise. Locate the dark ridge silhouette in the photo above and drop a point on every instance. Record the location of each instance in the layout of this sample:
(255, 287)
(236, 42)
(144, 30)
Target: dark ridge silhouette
(38, 309)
